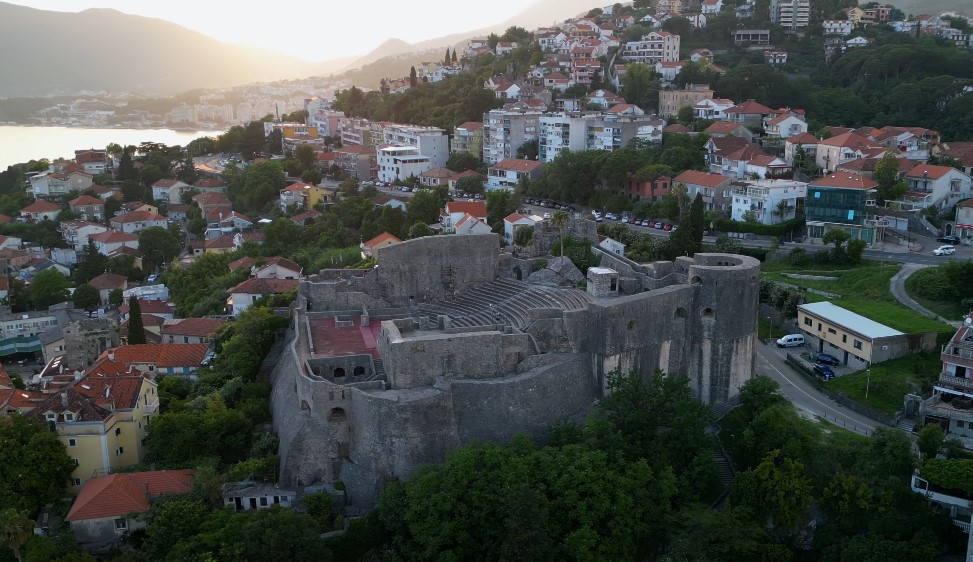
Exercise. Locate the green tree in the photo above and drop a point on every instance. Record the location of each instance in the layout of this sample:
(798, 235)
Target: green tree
(47, 288)
(523, 235)
(930, 440)
(311, 176)
(855, 249)
(462, 161)
(305, 155)
(758, 394)
(836, 236)
(688, 238)
(778, 487)
(470, 184)
(890, 187)
(171, 521)
(158, 246)
(85, 297)
(184, 439)
(424, 207)
(34, 464)
(419, 229)
(116, 297)
(16, 528)
(91, 265)
(136, 330)
(500, 203)
(640, 87)
(413, 81)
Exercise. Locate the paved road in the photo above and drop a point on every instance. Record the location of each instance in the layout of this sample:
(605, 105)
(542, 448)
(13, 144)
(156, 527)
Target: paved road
(806, 398)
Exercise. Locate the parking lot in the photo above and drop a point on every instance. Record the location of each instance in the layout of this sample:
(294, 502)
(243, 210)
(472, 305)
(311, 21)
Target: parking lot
(544, 208)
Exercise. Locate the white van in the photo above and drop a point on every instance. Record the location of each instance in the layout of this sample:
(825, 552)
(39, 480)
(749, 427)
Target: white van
(793, 340)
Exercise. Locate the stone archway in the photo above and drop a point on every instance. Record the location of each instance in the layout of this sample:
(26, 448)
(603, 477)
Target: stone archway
(518, 273)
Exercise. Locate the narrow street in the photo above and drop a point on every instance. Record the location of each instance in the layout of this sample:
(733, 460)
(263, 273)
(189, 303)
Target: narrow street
(806, 398)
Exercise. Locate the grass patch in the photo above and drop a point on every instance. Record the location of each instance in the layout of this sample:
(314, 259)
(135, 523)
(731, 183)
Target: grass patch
(863, 290)
(889, 381)
(946, 309)
(767, 329)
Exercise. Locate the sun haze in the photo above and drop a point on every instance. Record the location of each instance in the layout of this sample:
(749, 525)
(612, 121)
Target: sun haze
(311, 31)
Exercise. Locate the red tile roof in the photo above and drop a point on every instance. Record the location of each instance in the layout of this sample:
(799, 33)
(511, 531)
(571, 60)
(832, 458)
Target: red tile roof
(211, 198)
(120, 494)
(201, 327)
(41, 207)
(209, 182)
(517, 165)
(4, 219)
(165, 182)
(929, 171)
(471, 126)
(137, 216)
(475, 208)
(70, 400)
(846, 181)
(301, 218)
(265, 286)
(149, 307)
(676, 128)
(723, 127)
(241, 263)
(112, 391)
(85, 200)
(161, 355)
(803, 138)
(113, 237)
(109, 281)
(706, 179)
(383, 237)
(750, 107)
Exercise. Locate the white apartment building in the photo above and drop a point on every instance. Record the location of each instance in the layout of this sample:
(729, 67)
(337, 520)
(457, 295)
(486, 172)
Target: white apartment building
(432, 142)
(837, 27)
(773, 201)
(655, 46)
(504, 131)
(711, 108)
(183, 114)
(792, 15)
(609, 131)
(401, 162)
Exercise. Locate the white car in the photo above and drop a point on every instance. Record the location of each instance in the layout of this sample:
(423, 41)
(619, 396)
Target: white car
(547, 215)
(944, 251)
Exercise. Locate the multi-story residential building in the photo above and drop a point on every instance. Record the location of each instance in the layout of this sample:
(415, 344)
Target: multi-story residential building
(671, 101)
(934, 186)
(191, 330)
(356, 161)
(610, 130)
(784, 125)
(398, 163)
(58, 184)
(655, 46)
(837, 27)
(431, 142)
(841, 201)
(792, 15)
(76, 232)
(169, 190)
(876, 14)
(137, 221)
(93, 160)
(806, 142)
(508, 173)
(839, 149)
(715, 189)
(768, 201)
(41, 210)
(707, 108)
(102, 421)
(88, 208)
(505, 131)
(712, 6)
(751, 37)
(110, 241)
(183, 114)
(468, 138)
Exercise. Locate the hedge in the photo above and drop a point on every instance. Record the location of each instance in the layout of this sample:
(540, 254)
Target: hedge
(952, 474)
(727, 225)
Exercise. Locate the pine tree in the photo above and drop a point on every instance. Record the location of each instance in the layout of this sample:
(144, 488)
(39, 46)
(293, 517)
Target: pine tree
(136, 331)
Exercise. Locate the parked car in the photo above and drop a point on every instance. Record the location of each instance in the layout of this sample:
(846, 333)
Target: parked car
(949, 239)
(658, 226)
(646, 222)
(826, 359)
(824, 371)
(944, 251)
(667, 227)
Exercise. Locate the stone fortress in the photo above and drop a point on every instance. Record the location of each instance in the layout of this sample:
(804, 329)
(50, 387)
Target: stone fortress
(388, 369)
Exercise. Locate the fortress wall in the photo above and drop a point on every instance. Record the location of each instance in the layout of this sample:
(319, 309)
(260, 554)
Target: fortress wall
(392, 436)
(417, 361)
(650, 276)
(496, 410)
(346, 294)
(435, 267)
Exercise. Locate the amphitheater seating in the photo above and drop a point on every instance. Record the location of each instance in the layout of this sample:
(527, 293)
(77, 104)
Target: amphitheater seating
(512, 299)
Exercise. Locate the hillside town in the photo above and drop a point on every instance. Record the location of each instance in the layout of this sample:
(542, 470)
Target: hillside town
(617, 254)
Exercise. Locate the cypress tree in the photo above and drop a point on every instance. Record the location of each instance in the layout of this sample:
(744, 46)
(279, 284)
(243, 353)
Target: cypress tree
(412, 77)
(136, 332)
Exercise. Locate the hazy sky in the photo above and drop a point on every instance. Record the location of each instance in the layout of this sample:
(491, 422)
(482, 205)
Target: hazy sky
(313, 31)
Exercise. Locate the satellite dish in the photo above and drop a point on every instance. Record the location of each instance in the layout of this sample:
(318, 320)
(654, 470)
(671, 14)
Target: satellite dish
(967, 321)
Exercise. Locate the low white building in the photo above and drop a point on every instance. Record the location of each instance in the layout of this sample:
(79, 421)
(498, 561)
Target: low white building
(401, 162)
(514, 222)
(507, 173)
(770, 201)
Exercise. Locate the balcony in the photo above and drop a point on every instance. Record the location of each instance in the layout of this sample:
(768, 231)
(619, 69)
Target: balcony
(957, 353)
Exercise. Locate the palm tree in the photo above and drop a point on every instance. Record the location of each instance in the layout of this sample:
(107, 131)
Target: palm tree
(559, 220)
(15, 530)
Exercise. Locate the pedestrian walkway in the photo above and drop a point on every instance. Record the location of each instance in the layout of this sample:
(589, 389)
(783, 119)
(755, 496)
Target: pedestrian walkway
(897, 287)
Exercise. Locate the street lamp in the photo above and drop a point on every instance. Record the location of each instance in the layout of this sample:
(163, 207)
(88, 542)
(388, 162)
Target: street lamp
(868, 381)
(770, 328)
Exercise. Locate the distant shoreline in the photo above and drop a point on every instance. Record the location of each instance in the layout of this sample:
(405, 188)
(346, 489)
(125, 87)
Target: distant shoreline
(108, 127)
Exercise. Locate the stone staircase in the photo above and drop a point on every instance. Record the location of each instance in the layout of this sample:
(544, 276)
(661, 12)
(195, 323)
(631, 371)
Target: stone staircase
(723, 408)
(906, 425)
(511, 300)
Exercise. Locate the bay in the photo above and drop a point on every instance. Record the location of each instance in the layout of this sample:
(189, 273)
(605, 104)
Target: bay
(21, 144)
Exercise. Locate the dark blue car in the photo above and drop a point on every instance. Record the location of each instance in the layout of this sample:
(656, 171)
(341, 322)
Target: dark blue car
(826, 359)
(824, 372)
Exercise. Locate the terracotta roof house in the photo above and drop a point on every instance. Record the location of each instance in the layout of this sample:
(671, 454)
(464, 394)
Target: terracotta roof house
(191, 330)
(302, 218)
(842, 148)
(749, 113)
(108, 282)
(251, 290)
(244, 262)
(514, 222)
(158, 308)
(714, 188)
(111, 241)
(41, 210)
(220, 245)
(160, 359)
(507, 173)
(88, 207)
(454, 211)
(110, 507)
(729, 129)
(382, 240)
(277, 267)
(137, 221)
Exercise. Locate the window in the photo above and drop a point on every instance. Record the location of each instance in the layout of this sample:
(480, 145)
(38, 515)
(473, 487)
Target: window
(807, 321)
(832, 331)
(263, 502)
(858, 344)
(77, 481)
(819, 326)
(844, 338)
(120, 451)
(121, 524)
(960, 424)
(68, 416)
(51, 416)
(118, 431)
(76, 462)
(72, 442)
